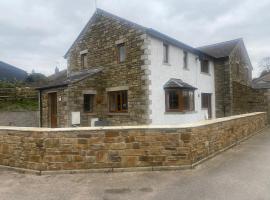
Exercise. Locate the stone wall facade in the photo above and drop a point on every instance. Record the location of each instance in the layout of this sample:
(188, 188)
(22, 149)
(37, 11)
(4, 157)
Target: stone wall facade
(123, 147)
(223, 88)
(240, 70)
(100, 39)
(231, 73)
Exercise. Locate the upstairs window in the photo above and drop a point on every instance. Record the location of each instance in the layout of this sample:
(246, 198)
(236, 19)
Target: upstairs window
(205, 66)
(118, 101)
(179, 100)
(88, 103)
(185, 60)
(121, 53)
(84, 60)
(165, 53)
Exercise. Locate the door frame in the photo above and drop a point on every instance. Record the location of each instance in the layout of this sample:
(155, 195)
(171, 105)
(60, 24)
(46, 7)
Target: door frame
(52, 106)
(209, 104)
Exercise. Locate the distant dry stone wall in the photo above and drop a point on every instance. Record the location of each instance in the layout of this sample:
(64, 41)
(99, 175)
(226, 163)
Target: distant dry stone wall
(17, 93)
(123, 147)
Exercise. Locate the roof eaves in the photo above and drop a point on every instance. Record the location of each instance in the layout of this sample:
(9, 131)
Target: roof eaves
(172, 41)
(52, 86)
(220, 43)
(86, 76)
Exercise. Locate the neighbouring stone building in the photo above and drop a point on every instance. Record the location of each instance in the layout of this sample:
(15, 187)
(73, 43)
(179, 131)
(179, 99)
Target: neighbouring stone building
(121, 73)
(233, 78)
(262, 84)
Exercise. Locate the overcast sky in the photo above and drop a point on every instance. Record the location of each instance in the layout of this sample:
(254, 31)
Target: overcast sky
(35, 34)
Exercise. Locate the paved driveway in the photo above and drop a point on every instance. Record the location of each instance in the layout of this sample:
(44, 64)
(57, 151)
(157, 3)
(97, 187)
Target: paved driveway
(240, 173)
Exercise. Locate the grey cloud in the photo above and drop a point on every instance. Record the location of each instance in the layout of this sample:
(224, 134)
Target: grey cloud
(37, 33)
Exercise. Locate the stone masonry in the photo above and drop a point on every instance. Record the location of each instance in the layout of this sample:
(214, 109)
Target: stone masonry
(123, 147)
(100, 39)
(247, 99)
(234, 93)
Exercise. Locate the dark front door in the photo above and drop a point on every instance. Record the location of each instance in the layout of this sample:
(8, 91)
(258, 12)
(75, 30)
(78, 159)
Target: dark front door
(53, 109)
(207, 103)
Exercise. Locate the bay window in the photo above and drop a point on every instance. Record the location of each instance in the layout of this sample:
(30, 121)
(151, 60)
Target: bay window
(179, 100)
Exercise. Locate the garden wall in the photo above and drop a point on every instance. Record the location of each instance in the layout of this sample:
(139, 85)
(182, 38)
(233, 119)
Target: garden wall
(247, 99)
(123, 147)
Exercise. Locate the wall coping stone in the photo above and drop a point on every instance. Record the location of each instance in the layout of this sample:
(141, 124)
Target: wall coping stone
(149, 127)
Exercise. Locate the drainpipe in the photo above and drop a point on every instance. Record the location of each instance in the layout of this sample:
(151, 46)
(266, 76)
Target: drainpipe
(40, 108)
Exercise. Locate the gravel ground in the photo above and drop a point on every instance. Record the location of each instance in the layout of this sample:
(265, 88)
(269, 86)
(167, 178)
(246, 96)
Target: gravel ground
(240, 173)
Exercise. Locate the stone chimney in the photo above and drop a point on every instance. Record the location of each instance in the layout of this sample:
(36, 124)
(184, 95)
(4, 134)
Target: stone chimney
(56, 71)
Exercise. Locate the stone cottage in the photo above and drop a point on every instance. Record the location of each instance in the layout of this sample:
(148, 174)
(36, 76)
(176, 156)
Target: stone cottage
(121, 73)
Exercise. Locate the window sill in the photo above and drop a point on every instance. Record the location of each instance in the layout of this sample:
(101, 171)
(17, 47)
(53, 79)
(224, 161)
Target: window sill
(180, 113)
(118, 114)
(204, 73)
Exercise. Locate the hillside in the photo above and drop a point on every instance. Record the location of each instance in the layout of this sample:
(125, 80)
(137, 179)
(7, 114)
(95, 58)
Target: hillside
(11, 73)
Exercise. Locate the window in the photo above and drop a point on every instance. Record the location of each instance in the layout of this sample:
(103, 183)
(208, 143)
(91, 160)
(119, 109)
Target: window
(179, 100)
(185, 60)
(121, 53)
(206, 100)
(88, 103)
(118, 101)
(205, 66)
(84, 60)
(165, 53)
(238, 70)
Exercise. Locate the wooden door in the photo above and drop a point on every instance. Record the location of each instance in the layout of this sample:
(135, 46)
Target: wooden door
(209, 106)
(207, 103)
(53, 109)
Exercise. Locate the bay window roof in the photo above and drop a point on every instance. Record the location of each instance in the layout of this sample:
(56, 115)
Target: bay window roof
(178, 83)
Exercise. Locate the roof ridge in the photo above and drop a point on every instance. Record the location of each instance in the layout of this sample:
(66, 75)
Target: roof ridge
(147, 30)
(101, 11)
(219, 43)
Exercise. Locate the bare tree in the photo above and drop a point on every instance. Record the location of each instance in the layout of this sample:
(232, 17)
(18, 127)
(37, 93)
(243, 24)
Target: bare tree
(264, 65)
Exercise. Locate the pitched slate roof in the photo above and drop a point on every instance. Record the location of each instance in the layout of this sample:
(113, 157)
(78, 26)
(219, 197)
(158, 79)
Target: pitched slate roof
(61, 75)
(64, 81)
(220, 50)
(178, 83)
(262, 82)
(149, 31)
(172, 41)
(11, 73)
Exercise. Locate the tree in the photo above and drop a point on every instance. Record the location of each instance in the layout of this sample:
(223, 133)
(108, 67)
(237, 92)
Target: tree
(264, 65)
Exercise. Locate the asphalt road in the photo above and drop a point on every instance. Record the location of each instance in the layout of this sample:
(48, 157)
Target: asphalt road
(242, 172)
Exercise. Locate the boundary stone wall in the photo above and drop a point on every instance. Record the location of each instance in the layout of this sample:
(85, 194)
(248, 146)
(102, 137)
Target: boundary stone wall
(247, 99)
(44, 149)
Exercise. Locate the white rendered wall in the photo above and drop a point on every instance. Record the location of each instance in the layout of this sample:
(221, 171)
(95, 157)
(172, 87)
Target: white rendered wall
(161, 73)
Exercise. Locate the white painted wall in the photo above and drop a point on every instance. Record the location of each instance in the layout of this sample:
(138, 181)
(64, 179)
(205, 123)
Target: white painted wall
(161, 73)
